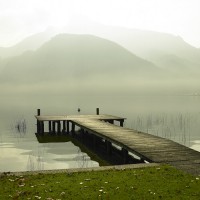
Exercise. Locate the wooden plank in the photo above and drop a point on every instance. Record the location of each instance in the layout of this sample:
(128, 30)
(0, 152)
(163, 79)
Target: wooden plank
(76, 117)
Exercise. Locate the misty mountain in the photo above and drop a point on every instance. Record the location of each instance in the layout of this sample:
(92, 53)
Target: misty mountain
(165, 50)
(78, 61)
(32, 42)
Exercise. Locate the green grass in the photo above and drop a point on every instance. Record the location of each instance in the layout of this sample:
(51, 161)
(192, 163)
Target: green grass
(163, 182)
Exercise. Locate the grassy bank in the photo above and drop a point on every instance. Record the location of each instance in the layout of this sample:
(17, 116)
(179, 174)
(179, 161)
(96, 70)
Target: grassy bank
(163, 182)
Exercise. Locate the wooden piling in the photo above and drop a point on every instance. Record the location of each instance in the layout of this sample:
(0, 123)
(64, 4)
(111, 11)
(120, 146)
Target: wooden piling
(50, 127)
(121, 123)
(64, 127)
(108, 147)
(125, 155)
(67, 127)
(73, 128)
(54, 127)
(97, 111)
(38, 123)
(58, 127)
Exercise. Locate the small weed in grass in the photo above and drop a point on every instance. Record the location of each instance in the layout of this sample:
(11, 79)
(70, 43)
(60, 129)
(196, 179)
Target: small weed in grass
(163, 182)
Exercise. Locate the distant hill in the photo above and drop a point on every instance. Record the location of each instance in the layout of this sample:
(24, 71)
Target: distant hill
(165, 50)
(32, 42)
(70, 64)
(71, 58)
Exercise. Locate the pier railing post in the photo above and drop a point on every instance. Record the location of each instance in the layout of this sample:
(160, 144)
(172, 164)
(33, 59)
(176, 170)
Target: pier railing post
(97, 111)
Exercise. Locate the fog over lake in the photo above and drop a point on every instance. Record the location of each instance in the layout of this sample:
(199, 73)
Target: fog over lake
(173, 117)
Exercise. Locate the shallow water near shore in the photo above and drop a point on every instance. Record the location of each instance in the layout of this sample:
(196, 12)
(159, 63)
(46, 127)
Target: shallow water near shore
(173, 117)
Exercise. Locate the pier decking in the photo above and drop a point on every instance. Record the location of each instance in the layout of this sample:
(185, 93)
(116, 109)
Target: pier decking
(148, 147)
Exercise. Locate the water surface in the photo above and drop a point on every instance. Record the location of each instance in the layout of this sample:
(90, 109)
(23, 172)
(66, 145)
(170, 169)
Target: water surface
(173, 117)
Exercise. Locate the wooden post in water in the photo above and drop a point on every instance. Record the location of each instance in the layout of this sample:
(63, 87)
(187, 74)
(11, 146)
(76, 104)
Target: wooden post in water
(67, 127)
(111, 121)
(54, 127)
(73, 128)
(94, 142)
(125, 155)
(97, 111)
(42, 127)
(121, 122)
(50, 128)
(108, 147)
(64, 127)
(58, 127)
(38, 123)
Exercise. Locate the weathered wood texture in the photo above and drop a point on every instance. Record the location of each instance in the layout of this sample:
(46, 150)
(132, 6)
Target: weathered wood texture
(74, 117)
(149, 147)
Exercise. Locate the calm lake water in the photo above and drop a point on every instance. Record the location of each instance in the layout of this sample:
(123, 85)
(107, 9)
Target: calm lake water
(173, 117)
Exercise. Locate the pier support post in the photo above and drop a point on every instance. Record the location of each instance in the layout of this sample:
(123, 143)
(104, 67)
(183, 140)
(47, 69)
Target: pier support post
(64, 127)
(50, 128)
(108, 147)
(73, 128)
(58, 127)
(95, 142)
(82, 134)
(111, 121)
(121, 123)
(125, 155)
(40, 127)
(38, 123)
(54, 127)
(67, 127)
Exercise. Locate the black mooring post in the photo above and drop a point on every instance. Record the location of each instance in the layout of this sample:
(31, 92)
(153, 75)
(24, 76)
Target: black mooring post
(97, 111)
(38, 123)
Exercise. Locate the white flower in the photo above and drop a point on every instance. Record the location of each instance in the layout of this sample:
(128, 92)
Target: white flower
(62, 193)
(37, 197)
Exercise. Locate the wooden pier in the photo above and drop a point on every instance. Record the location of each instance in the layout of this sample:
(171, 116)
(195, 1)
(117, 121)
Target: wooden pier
(110, 130)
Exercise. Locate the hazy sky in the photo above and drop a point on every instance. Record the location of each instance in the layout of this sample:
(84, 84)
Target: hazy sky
(20, 18)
